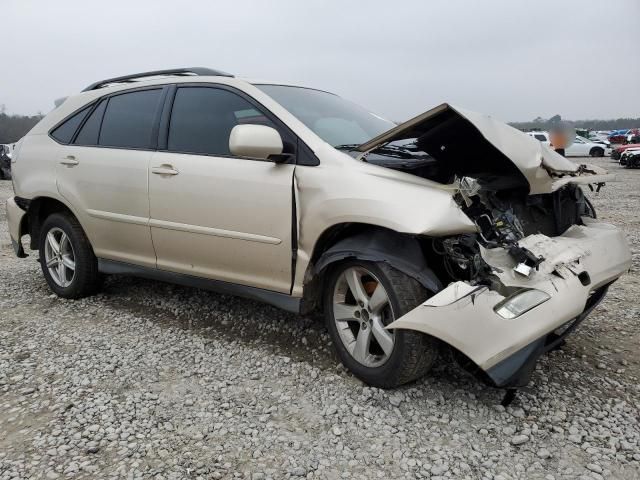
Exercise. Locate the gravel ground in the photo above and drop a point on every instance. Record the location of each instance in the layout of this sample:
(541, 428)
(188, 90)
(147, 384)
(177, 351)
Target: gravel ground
(149, 380)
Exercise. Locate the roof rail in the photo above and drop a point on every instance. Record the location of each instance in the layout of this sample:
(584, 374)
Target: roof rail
(172, 71)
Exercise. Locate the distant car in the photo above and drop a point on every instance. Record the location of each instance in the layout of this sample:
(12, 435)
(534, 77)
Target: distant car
(581, 147)
(630, 158)
(5, 161)
(618, 136)
(618, 151)
(595, 138)
(542, 136)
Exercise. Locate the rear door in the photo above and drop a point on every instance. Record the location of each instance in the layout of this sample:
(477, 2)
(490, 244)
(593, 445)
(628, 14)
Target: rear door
(214, 214)
(103, 174)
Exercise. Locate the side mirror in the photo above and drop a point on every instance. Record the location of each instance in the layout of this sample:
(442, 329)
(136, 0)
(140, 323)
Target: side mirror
(255, 141)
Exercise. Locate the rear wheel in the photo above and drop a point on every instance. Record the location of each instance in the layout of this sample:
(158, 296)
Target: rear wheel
(597, 152)
(361, 298)
(66, 257)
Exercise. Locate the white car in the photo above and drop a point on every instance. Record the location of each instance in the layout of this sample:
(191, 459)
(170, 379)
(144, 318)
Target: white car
(581, 147)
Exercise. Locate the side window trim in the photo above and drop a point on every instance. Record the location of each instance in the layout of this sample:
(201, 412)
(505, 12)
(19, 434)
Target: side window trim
(91, 105)
(95, 103)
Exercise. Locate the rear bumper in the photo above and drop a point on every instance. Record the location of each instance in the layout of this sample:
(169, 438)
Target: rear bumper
(15, 216)
(579, 265)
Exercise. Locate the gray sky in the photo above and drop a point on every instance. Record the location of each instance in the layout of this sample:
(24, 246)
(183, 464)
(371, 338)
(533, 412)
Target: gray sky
(512, 59)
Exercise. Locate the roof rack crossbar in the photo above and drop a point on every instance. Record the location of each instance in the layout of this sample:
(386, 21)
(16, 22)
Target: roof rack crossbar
(173, 71)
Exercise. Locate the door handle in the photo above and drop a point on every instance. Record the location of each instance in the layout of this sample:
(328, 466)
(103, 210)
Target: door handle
(164, 170)
(69, 161)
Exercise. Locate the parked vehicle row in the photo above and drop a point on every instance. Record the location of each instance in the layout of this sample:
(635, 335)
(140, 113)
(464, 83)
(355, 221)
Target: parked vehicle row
(617, 152)
(580, 147)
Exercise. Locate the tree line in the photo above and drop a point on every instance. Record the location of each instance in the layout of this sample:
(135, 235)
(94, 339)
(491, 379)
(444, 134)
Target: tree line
(545, 123)
(14, 127)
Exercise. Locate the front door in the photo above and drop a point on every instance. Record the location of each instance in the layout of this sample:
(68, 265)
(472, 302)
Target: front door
(213, 214)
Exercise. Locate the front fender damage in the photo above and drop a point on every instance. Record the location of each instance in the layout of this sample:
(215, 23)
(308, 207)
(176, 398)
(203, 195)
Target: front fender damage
(577, 269)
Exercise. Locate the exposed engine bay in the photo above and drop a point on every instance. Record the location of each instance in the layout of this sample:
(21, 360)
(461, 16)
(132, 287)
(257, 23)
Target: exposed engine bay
(503, 218)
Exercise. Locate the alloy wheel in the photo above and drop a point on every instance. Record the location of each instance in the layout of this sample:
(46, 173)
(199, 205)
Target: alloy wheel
(59, 257)
(361, 310)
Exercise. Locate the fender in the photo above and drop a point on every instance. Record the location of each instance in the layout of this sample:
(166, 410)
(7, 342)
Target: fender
(402, 252)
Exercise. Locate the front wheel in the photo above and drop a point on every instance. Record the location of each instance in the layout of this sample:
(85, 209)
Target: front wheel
(360, 299)
(597, 152)
(66, 257)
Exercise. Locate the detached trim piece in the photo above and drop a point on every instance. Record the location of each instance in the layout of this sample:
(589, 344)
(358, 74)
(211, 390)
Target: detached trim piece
(197, 71)
(279, 300)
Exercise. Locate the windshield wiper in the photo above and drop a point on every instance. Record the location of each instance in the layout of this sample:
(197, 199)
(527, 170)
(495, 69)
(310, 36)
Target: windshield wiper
(347, 146)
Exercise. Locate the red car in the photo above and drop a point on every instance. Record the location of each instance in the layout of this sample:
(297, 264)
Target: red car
(617, 152)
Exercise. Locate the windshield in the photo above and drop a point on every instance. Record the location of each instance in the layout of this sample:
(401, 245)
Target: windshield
(334, 119)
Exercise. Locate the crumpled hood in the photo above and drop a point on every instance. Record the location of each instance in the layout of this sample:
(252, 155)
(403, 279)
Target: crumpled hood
(543, 168)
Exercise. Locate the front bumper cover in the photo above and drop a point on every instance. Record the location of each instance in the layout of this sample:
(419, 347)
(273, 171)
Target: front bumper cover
(579, 265)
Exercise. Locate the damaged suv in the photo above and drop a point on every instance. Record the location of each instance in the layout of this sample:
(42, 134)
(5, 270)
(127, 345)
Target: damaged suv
(451, 230)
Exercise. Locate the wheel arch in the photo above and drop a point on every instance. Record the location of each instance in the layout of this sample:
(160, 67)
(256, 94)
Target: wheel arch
(368, 242)
(39, 209)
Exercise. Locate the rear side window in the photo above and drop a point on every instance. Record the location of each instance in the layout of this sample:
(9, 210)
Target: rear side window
(542, 138)
(202, 119)
(88, 134)
(128, 119)
(64, 133)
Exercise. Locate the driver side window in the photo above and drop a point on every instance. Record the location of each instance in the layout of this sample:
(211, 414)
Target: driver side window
(202, 119)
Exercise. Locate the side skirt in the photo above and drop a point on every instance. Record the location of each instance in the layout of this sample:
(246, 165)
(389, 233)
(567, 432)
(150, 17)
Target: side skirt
(280, 300)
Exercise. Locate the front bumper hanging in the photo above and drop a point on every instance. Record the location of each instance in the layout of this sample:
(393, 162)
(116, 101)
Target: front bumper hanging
(578, 268)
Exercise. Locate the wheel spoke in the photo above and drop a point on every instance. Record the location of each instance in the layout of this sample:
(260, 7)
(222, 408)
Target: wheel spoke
(62, 274)
(355, 285)
(52, 262)
(68, 262)
(64, 242)
(53, 243)
(383, 337)
(379, 299)
(361, 348)
(343, 312)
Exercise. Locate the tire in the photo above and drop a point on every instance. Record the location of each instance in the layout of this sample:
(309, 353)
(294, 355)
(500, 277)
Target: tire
(597, 152)
(84, 279)
(5, 174)
(412, 354)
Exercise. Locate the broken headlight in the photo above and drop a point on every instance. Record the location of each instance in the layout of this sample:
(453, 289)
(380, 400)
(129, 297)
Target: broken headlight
(520, 302)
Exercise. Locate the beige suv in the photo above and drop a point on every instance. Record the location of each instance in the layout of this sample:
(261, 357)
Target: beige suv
(450, 230)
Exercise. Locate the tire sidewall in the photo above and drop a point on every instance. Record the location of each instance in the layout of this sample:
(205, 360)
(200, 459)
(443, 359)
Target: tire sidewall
(396, 358)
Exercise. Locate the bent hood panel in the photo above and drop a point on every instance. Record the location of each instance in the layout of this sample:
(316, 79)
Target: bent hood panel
(539, 164)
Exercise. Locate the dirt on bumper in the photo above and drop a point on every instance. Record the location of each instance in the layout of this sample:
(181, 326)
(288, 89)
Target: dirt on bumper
(578, 267)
